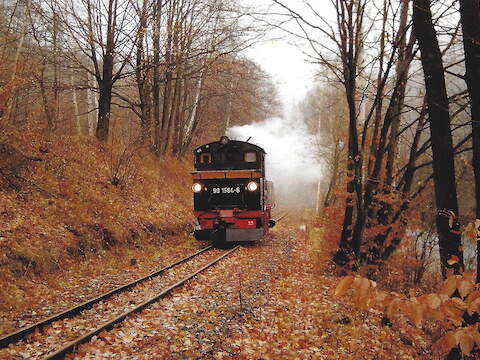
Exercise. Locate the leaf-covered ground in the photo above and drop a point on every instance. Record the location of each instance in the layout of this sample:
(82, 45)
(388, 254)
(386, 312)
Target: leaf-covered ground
(267, 301)
(67, 233)
(55, 293)
(53, 337)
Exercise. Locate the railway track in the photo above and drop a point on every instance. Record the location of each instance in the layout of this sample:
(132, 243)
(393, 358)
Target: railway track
(59, 335)
(280, 216)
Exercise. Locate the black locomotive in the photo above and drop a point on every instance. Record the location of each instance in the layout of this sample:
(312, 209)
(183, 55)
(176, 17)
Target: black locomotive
(232, 198)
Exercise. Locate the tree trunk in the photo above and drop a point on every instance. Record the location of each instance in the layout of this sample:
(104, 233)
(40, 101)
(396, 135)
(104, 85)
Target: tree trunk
(156, 75)
(56, 76)
(10, 102)
(75, 104)
(47, 108)
(106, 82)
(181, 123)
(104, 109)
(403, 64)
(351, 19)
(470, 18)
(92, 102)
(173, 119)
(451, 255)
(161, 132)
(330, 195)
(141, 74)
(349, 246)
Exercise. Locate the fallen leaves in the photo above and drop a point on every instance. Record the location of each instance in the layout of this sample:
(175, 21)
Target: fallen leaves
(52, 337)
(53, 231)
(457, 296)
(285, 312)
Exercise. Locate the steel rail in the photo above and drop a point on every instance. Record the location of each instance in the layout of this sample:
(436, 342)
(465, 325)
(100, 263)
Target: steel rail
(21, 333)
(71, 346)
(281, 217)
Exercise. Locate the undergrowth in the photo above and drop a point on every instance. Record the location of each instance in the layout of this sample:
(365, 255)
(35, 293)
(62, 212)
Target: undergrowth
(59, 206)
(407, 288)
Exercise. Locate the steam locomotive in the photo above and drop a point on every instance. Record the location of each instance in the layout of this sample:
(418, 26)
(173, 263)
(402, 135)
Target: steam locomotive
(232, 199)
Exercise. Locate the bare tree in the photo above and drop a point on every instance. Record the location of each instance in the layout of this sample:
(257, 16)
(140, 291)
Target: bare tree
(375, 91)
(104, 32)
(187, 38)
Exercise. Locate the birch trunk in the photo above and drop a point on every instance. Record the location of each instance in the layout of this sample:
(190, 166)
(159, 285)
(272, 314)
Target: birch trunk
(75, 104)
(10, 101)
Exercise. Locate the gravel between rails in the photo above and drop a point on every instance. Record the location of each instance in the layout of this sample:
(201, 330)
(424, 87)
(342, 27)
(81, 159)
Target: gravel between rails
(51, 338)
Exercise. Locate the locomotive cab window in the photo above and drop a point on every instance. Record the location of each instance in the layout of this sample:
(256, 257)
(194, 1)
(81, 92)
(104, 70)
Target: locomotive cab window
(250, 156)
(205, 158)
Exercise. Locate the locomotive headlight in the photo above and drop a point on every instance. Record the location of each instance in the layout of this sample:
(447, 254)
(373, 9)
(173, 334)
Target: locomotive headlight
(252, 186)
(197, 187)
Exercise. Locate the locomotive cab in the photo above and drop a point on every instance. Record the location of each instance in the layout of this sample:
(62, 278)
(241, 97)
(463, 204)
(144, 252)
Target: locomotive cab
(231, 197)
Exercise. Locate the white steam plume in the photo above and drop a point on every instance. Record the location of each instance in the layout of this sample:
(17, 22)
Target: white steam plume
(291, 162)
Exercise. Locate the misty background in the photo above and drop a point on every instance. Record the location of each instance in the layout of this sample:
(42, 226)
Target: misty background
(291, 161)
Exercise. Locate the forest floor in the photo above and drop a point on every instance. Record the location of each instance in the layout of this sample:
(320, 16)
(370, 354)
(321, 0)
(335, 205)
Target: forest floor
(270, 300)
(55, 292)
(67, 233)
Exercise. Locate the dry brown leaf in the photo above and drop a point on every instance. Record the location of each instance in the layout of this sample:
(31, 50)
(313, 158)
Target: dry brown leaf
(469, 276)
(364, 287)
(418, 314)
(393, 307)
(464, 287)
(344, 285)
(466, 342)
(473, 306)
(434, 301)
(476, 336)
(474, 295)
(413, 311)
(452, 313)
(381, 295)
(459, 304)
(444, 297)
(438, 315)
(445, 343)
(449, 286)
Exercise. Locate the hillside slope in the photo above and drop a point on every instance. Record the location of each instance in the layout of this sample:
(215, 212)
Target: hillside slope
(72, 202)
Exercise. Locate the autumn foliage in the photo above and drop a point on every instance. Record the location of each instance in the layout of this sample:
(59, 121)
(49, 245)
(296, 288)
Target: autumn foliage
(62, 202)
(450, 307)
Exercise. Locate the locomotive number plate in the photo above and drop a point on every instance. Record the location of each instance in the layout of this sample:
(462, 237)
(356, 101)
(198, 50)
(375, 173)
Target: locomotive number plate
(226, 190)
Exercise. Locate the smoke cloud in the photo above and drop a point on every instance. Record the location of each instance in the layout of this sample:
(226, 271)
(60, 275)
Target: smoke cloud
(291, 161)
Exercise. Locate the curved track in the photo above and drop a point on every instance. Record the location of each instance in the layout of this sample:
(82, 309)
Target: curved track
(108, 324)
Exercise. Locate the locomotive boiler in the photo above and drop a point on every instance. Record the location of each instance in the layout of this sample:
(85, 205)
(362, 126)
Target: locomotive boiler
(232, 199)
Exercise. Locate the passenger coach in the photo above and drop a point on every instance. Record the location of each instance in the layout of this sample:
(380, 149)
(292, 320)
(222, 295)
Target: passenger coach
(232, 198)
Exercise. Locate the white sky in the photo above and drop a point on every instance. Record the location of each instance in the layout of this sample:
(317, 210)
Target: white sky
(292, 75)
(280, 56)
